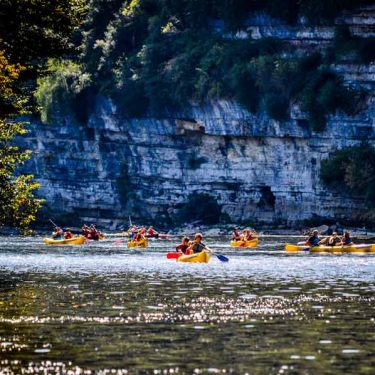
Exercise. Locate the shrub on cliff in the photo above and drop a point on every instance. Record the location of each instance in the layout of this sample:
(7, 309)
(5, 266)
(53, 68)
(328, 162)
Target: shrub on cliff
(58, 90)
(352, 170)
(324, 93)
(360, 50)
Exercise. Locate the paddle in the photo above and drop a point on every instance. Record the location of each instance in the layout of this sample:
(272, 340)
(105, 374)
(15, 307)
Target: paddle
(55, 225)
(221, 257)
(173, 255)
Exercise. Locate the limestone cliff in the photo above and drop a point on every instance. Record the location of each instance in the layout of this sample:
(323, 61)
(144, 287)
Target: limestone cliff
(258, 169)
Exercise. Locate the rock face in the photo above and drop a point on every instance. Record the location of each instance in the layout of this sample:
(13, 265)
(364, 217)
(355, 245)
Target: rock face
(259, 170)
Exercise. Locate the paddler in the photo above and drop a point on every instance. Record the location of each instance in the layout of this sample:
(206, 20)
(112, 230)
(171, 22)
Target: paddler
(314, 240)
(139, 236)
(184, 245)
(85, 231)
(333, 240)
(58, 233)
(132, 231)
(197, 246)
(68, 234)
(346, 240)
(236, 236)
(94, 234)
(152, 233)
(248, 235)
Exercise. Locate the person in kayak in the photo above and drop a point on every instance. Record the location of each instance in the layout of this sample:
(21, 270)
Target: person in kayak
(248, 235)
(85, 231)
(236, 236)
(333, 240)
(139, 236)
(132, 231)
(346, 240)
(68, 234)
(152, 233)
(184, 245)
(313, 240)
(58, 233)
(197, 246)
(94, 234)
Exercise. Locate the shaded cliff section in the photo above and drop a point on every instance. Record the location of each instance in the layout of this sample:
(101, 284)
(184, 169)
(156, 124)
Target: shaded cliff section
(259, 170)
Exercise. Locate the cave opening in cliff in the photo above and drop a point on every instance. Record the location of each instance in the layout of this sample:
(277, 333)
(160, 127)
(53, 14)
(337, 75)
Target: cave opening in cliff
(267, 199)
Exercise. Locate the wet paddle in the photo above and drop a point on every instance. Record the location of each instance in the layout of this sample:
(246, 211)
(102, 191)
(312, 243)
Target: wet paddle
(173, 255)
(55, 225)
(221, 257)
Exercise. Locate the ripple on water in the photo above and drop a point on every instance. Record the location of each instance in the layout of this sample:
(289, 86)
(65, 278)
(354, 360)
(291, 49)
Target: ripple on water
(112, 311)
(350, 351)
(325, 342)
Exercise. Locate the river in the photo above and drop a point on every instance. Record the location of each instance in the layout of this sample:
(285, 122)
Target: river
(101, 308)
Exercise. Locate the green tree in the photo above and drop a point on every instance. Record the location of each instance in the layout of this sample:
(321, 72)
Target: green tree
(31, 31)
(18, 205)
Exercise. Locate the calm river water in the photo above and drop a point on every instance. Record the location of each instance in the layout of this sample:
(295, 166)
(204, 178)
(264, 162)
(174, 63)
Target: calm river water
(104, 309)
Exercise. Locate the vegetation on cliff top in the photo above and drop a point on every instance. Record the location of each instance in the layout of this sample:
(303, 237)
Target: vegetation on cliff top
(151, 56)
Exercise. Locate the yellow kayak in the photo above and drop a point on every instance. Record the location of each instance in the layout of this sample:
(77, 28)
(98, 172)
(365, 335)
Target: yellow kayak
(141, 244)
(361, 248)
(202, 257)
(251, 243)
(71, 241)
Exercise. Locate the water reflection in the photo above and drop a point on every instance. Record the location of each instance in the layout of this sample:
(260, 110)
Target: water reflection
(103, 308)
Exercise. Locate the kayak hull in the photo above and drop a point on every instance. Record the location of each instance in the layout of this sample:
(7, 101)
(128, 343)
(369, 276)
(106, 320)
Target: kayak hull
(362, 248)
(71, 241)
(100, 238)
(251, 243)
(202, 257)
(139, 244)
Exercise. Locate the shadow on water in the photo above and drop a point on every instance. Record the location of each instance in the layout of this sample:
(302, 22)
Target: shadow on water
(104, 308)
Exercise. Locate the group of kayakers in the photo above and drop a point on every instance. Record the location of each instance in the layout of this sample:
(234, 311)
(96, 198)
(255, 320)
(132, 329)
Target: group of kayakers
(90, 233)
(191, 247)
(59, 234)
(140, 233)
(245, 235)
(333, 240)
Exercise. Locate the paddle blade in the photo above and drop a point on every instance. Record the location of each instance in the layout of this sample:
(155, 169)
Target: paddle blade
(117, 242)
(222, 258)
(173, 255)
